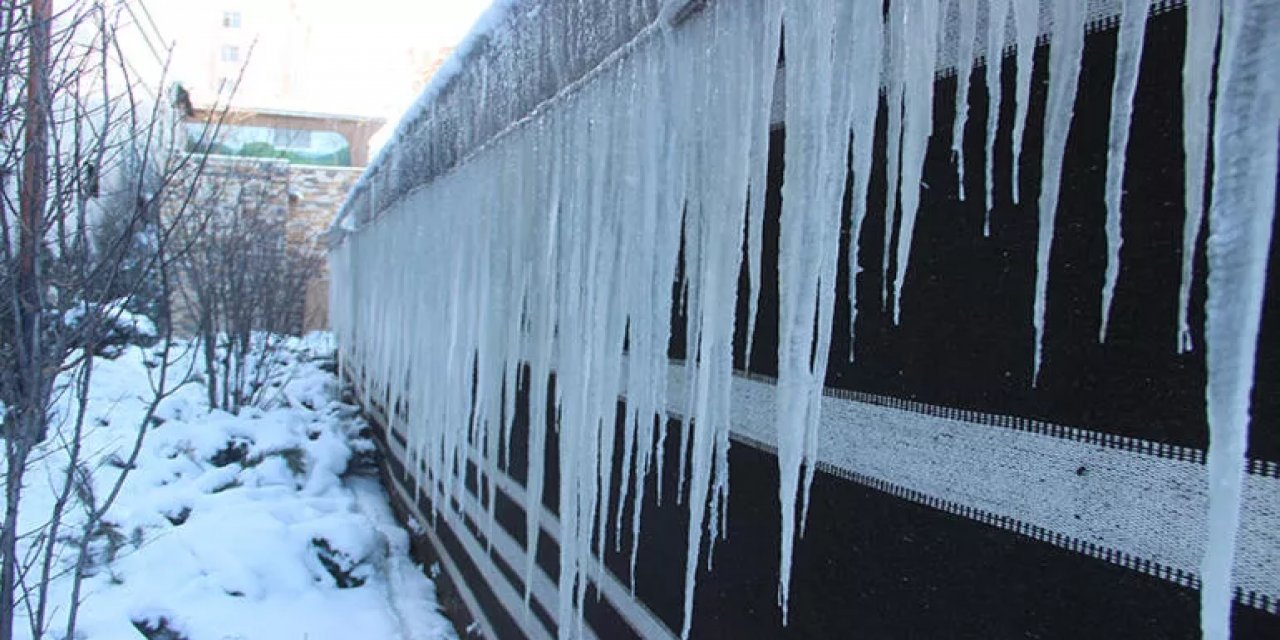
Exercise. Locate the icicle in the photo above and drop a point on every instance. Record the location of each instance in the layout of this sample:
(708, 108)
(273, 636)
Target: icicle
(713, 245)
(581, 236)
(1246, 127)
(968, 14)
(1133, 28)
(613, 258)
(666, 199)
(679, 87)
(894, 87)
(1064, 69)
(1026, 24)
(1203, 19)
(817, 121)
(770, 21)
(864, 85)
(997, 18)
(542, 294)
(638, 223)
(921, 60)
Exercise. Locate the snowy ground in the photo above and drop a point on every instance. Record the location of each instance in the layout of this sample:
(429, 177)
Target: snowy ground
(243, 526)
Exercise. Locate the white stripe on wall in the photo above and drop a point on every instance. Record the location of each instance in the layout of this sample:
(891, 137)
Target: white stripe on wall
(1141, 508)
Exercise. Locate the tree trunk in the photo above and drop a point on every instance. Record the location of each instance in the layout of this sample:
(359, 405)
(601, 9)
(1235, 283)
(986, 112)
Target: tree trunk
(29, 425)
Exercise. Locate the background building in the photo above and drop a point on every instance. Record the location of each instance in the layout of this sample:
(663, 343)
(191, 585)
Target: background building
(307, 87)
(325, 56)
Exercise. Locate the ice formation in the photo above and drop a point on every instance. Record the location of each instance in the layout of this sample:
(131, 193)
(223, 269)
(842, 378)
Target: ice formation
(920, 62)
(997, 19)
(1026, 25)
(762, 100)
(542, 261)
(1067, 45)
(1246, 127)
(864, 85)
(1133, 29)
(895, 54)
(817, 121)
(1204, 18)
(967, 12)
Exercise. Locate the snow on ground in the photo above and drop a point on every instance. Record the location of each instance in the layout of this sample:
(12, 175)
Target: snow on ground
(235, 526)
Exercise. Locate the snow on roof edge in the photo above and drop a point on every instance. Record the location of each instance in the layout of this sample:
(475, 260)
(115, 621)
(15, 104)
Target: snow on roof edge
(481, 34)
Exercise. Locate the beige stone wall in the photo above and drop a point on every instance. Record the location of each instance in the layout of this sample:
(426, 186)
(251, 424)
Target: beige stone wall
(224, 182)
(306, 198)
(316, 194)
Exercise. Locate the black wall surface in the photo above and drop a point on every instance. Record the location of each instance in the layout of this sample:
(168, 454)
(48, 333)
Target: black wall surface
(872, 565)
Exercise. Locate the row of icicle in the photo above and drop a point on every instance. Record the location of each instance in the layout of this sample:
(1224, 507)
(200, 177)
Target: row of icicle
(560, 243)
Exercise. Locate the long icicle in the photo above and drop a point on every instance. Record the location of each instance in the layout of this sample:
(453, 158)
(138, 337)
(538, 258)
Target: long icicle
(997, 18)
(1064, 71)
(770, 21)
(722, 147)
(864, 81)
(812, 190)
(1026, 24)
(1204, 18)
(1246, 127)
(968, 15)
(894, 88)
(921, 60)
(1133, 29)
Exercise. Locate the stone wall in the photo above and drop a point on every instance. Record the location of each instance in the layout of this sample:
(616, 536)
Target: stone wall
(315, 195)
(304, 197)
(223, 184)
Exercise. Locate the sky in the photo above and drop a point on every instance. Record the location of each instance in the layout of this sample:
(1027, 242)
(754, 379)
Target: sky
(362, 57)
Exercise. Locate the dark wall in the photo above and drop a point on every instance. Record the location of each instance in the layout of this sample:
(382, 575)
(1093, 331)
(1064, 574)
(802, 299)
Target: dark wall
(870, 565)
(878, 566)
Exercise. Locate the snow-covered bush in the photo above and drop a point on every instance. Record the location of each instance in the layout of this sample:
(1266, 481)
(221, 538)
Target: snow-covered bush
(109, 326)
(250, 525)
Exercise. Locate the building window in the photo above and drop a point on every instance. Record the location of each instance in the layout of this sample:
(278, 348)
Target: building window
(230, 53)
(299, 146)
(231, 19)
(291, 138)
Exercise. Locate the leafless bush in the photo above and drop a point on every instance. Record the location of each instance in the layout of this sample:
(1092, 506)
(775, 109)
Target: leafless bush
(243, 282)
(86, 157)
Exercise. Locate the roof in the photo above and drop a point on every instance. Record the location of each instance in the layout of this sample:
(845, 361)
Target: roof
(285, 113)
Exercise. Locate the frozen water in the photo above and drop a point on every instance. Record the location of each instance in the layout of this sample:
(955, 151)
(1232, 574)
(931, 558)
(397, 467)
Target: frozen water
(967, 10)
(895, 60)
(1026, 20)
(921, 55)
(1064, 69)
(1133, 29)
(1203, 20)
(864, 85)
(997, 19)
(1246, 126)
(553, 250)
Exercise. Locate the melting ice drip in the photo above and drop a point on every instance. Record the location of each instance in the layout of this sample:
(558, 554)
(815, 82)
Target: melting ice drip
(552, 253)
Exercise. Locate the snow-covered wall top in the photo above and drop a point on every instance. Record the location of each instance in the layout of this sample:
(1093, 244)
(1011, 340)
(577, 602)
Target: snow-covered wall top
(519, 55)
(523, 53)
